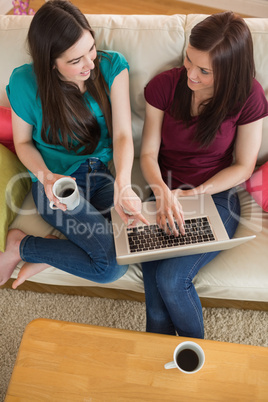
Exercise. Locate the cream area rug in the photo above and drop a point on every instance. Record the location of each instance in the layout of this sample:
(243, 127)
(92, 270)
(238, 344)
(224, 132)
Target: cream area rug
(18, 308)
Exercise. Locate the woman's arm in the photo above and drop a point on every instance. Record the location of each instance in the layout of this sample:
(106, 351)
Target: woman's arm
(168, 207)
(125, 199)
(31, 157)
(247, 145)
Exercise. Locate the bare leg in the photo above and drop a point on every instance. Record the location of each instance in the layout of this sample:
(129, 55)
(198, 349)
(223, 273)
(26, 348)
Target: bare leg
(10, 258)
(30, 269)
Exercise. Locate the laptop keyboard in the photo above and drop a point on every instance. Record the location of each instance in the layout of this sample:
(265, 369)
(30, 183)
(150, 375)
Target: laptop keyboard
(152, 237)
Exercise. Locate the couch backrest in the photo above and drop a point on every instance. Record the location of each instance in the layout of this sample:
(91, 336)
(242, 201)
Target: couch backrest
(150, 43)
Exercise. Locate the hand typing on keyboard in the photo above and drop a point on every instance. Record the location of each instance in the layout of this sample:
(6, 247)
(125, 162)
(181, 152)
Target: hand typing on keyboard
(169, 211)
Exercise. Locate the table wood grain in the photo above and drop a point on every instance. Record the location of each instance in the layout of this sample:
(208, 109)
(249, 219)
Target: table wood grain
(64, 361)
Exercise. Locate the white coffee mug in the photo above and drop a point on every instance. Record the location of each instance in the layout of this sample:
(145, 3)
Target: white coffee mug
(66, 190)
(188, 357)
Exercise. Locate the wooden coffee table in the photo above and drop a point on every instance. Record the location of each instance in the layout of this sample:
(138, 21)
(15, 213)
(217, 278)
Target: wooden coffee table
(62, 361)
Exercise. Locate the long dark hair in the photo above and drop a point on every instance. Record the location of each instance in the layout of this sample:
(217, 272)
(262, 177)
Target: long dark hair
(56, 26)
(228, 40)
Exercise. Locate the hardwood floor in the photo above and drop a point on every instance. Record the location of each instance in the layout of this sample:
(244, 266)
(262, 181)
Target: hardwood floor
(167, 7)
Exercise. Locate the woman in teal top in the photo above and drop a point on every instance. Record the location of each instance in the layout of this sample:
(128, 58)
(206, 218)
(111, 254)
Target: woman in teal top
(22, 90)
(71, 116)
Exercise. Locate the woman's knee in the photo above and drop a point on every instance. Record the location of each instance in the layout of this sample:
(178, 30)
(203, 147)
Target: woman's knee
(112, 273)
(170, 283)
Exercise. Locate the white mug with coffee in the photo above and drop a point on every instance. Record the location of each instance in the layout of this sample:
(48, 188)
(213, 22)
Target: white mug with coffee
(66, 190)
(188, 357)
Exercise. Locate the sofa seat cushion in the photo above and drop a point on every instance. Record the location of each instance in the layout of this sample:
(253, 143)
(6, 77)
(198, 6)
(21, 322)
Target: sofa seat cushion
(236, 274)
(240, 273)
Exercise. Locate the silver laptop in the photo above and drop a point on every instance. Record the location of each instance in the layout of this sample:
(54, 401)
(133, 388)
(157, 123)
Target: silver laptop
(205, 232)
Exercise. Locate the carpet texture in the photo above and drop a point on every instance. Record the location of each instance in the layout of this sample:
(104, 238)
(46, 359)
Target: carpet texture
(18, 308)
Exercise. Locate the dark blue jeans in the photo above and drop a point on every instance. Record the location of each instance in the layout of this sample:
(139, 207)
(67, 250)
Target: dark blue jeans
(172, 303)
(89, 250)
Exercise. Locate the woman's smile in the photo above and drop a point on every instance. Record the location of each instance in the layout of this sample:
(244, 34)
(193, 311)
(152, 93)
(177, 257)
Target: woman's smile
(194, 81)
(85, 73)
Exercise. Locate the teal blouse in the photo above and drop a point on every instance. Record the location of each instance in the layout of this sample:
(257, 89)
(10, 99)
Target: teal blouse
(24, 100)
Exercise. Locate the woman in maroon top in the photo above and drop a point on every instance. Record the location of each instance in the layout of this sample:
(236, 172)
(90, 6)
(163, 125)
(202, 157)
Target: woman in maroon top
(197, 117)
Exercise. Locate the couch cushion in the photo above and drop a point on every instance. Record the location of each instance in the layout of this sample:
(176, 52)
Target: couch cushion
(14, 185)
(6, 133)
(13, 33)
(257, 186)
(138, 39)
(259, 31)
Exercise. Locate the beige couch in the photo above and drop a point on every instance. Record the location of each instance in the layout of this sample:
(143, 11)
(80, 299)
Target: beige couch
(151, 44)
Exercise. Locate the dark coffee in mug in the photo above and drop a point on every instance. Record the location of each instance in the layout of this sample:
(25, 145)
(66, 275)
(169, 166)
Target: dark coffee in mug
(66, 192)
(187, 360)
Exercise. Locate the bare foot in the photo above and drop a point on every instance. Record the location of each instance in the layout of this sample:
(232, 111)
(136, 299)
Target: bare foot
(10, 258)
(30, 269)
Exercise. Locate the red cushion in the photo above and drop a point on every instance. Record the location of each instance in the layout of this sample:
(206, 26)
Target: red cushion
(257, 186)
(6, 133)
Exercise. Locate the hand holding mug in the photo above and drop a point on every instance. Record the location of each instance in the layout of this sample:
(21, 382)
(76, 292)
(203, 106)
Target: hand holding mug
(66, 191)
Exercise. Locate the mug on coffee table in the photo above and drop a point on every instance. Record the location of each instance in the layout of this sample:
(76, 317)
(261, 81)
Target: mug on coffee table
(66, 190)
(188, 357)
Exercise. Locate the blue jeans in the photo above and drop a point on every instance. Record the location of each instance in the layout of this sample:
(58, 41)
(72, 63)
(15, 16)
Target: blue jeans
(172, 303)
(89, 250)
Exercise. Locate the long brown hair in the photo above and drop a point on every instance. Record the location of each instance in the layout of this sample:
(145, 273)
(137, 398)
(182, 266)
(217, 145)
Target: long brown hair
(56, 26)
(228, 40)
